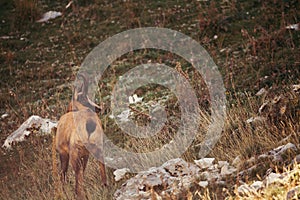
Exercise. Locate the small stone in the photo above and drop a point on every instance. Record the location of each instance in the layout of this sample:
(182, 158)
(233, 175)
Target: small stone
(120, 173)
(203, 184)
(210, 176)
(272, 178)
(257, 185)
(296, 87)
(204, 162)
(221, 183)
(278, 152)
(4, 116)
(222, 163)
(227, 170)
(245, 190)
(257, 119)
(261, 92)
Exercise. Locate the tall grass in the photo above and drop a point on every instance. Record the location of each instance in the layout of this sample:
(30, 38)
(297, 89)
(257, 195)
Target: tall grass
(26, 11)
(252, 50)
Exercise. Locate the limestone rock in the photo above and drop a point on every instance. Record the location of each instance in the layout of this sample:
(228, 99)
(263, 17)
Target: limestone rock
(204, 162)
(120, 173)
(174, 176)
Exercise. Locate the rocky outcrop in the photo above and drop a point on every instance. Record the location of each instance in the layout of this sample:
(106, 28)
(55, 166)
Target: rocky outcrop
(283, 185)
(175, 178)
(33, 124)
(170, 179)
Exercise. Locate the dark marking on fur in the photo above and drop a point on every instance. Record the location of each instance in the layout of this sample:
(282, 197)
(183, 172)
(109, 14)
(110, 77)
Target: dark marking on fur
(90, 126)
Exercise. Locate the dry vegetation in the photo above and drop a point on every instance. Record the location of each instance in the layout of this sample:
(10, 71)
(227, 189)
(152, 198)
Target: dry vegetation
(38, 62)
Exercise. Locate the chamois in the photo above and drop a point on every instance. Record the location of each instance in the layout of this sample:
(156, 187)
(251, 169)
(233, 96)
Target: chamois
(80, 132)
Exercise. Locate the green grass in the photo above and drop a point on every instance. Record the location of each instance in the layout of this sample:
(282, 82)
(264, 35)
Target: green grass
(39, 61)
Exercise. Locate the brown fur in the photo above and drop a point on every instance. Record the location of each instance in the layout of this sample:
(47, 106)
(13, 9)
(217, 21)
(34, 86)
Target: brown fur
(79, 132)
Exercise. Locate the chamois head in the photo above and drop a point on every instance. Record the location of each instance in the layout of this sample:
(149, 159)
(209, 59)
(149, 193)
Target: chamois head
(80, 97)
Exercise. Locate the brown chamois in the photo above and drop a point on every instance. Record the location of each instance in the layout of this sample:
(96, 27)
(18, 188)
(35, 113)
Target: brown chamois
(80, 132)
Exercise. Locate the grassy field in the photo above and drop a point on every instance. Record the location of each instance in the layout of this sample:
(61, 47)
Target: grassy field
(38, 62)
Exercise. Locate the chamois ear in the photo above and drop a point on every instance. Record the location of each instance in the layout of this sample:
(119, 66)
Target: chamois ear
(72, 106)
(75, 95)
(85, 84)
(76, 98)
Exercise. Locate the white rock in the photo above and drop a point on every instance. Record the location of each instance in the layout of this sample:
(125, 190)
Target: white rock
(134, 99)
(4, 115)
(120, 173)
(227, 170)
(296, 87)
(257, 185)
(124, 115)
(186, 182)
(153, 179)
(174, 176)
(272, 178)
(204, 162)
(262, 156)
(246, 190)
(203, 184)
(295, 27)
(111, 116)
(222, 163)
(49, 15)
(213, 167)
(210, 176)
(261, 92)
(43, 125)
(282, 149)
(130, 99)
(279, 151)
(255, 119)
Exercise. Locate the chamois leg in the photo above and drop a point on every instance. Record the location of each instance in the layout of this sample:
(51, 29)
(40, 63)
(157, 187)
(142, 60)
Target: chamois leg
(103, 174)
(85, 161)
(79, 181)
(77, 164)
(64, 162)
(98, 153)
(102, 170)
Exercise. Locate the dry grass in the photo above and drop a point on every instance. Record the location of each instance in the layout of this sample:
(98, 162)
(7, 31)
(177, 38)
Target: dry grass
(252, 49)
(26, 11)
